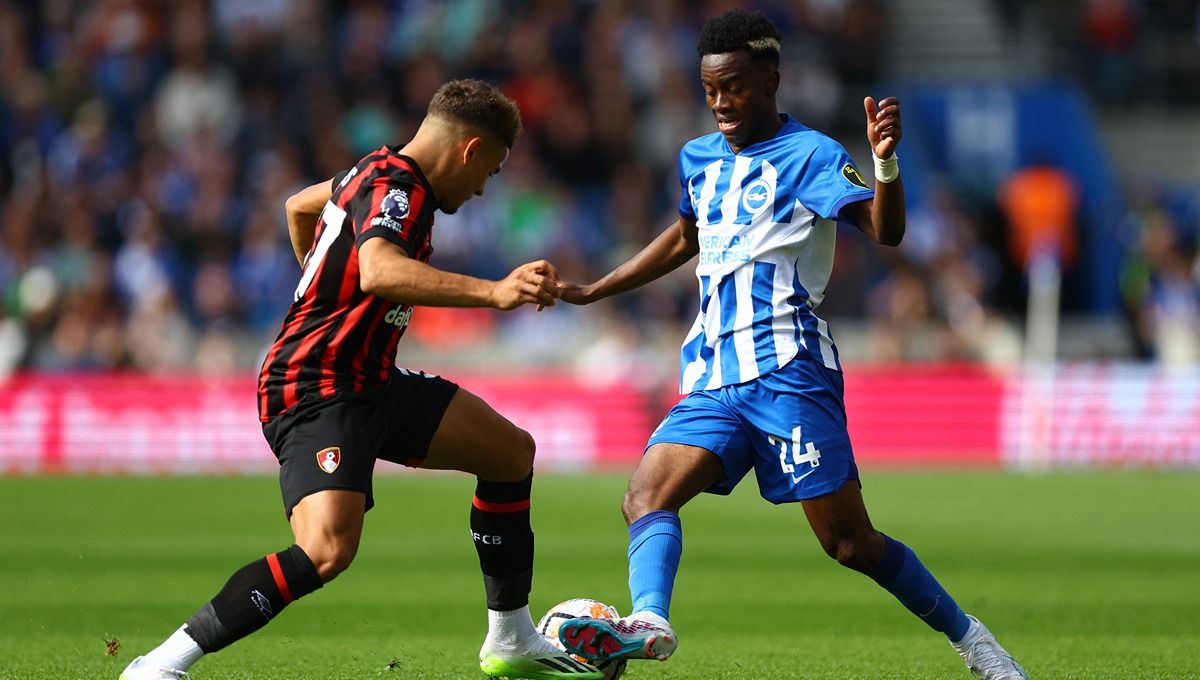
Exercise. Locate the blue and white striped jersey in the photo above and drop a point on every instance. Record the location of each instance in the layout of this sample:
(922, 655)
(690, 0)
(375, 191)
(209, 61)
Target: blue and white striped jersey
(766, 218)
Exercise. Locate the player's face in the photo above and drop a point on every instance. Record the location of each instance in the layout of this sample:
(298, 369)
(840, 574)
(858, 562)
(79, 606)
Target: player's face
(741, 95)
(483, 162)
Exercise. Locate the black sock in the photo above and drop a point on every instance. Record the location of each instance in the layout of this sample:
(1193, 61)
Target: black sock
(504, 541)
(253, 596)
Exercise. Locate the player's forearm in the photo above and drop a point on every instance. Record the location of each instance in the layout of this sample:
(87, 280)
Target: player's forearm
(402, 279)
(303, 209)
(301, 229)
(887, 212)
(671, 250)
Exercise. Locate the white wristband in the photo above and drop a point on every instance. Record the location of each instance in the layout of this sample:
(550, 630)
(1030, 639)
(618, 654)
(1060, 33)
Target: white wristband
(886, 170)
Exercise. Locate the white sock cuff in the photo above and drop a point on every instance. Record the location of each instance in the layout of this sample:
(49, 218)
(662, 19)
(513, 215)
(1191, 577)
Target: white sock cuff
(510, 627)
(651, 617)
(179, 651)
(510, 615)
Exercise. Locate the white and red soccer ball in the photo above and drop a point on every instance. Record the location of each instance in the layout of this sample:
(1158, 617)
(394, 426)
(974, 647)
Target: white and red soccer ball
(576, 608)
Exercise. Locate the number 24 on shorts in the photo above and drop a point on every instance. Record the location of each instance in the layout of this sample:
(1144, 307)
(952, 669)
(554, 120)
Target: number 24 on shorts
(802, 452)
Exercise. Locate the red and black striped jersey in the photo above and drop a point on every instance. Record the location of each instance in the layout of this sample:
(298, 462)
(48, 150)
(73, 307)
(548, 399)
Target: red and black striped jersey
(336, 338)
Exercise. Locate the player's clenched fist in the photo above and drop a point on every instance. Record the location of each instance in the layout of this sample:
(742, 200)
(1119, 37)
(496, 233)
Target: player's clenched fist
(533, 282)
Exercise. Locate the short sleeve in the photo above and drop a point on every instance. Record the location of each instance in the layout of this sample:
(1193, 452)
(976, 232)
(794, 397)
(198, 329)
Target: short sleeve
(686, 210)
(390, 207)
(337, 179)
(832, 181)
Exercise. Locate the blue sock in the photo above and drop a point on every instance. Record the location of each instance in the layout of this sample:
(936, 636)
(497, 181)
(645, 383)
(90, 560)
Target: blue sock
(903, 575)
(655, 545)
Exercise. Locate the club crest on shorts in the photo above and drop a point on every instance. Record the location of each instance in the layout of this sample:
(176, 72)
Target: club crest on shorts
(329, 459)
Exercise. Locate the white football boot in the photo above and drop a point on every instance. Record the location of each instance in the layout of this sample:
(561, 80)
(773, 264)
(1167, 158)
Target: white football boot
(985, 657)
(536, 659)
(138, 670)
(641, 635)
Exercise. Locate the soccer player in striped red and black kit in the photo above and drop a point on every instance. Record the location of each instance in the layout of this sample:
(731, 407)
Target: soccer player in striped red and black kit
(332, 401)
(337, 338)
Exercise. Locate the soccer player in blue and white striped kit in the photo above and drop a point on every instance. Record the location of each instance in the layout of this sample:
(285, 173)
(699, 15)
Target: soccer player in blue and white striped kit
(761, 199)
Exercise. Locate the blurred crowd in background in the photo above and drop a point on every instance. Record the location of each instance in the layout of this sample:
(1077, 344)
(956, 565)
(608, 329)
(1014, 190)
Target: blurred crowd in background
(147, 148)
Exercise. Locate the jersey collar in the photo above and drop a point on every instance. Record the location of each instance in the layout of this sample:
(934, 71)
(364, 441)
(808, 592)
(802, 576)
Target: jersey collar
(418, 173)
(789, 125)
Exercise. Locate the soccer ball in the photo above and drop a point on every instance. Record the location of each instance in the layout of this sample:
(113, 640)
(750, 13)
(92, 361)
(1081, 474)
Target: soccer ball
(582, 607)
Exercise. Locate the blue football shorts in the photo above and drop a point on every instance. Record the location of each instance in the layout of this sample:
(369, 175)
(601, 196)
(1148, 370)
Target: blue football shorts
(789, 425)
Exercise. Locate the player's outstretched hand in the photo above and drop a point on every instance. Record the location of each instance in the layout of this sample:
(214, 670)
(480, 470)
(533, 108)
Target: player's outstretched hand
(531, 283)
(883, 125)
(575, 293)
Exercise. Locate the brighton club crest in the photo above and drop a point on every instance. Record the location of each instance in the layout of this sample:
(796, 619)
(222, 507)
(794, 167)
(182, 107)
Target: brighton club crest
(329, 459)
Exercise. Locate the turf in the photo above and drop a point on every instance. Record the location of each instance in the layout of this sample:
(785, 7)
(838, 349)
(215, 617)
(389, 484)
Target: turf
(1081, 575)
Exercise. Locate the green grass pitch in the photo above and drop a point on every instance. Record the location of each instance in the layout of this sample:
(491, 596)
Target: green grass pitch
(1089, 575)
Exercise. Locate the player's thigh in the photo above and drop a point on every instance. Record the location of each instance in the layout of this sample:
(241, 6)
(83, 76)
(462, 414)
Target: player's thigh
(701, 422)
(474, 438)
(668, 476)
(839, 516)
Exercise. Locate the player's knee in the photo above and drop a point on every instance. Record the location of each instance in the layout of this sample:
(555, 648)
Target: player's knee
(630, 509)
(638, 502)
(528, 451)
(332, 558)
(519, 462)
(850, 552)
(645, 495)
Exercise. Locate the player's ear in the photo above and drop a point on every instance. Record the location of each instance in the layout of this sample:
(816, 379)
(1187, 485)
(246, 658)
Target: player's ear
(473, 147)
(772, 82)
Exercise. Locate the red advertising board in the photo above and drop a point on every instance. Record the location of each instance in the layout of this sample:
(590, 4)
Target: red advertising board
(898, 415)
(133, 423)
(1080, 415)
(934, 414)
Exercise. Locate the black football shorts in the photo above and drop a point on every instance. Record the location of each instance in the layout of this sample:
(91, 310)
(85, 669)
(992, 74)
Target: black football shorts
(333, 443)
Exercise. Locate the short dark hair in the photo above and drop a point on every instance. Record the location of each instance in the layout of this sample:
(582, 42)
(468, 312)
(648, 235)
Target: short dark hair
(479, 104)
(740, 29)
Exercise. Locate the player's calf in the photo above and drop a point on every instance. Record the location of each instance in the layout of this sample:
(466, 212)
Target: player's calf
(253, 596)
(504, 541)
(903, 575)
